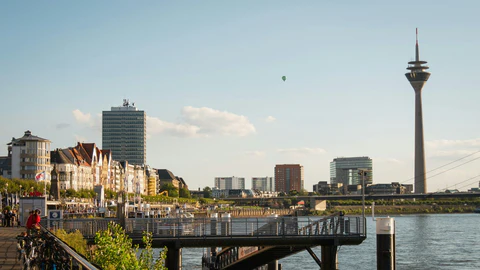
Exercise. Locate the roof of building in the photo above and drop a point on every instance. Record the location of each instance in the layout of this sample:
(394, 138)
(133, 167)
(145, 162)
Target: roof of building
(58, 157)
(81, 159)
(83, 153)
(181, 180)
(27, 137)
(91, 149)
(164, 174)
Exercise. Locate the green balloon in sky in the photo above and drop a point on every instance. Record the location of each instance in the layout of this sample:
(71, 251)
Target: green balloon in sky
(284, 78)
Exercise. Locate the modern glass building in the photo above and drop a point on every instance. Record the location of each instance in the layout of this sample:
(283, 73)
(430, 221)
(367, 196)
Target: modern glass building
(227, 183)
(124, 132)
(263, 183)
(345, 170)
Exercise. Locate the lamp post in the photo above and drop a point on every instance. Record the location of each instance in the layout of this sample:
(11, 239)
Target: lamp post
(6, 193)
(20, 190)
(363, 173)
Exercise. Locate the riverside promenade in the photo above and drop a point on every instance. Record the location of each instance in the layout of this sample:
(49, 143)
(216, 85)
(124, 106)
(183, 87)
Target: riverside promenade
(8, 247)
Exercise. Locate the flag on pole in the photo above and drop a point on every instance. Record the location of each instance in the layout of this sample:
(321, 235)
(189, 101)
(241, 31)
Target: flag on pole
(40, 176)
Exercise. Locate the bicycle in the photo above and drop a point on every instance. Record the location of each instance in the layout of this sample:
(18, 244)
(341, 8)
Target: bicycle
(26, 252)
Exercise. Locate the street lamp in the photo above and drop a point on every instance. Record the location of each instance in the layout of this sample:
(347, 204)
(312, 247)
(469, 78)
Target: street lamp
(363, 173)
(6, 193)
(20, 190)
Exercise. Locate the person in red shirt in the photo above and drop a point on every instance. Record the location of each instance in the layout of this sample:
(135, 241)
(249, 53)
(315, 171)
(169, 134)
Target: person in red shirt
(29, 221)
(33, 222)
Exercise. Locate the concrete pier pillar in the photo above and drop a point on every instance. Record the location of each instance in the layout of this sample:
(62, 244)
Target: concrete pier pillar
(213, 231)
(213, 223)
(226, 224)
(329, 258)
(174, 257)
(386, 244)
(273, 265)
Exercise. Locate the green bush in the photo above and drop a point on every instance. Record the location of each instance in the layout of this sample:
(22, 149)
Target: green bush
(75, 240)
(114, 250)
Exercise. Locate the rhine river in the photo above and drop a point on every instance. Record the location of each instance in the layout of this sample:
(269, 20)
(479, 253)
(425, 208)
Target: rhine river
(433, 241)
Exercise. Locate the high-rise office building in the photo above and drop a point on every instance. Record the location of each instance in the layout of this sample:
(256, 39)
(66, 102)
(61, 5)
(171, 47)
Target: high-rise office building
(124, 132)
(227, 183)
(288, 177)
(417, 77)
(263, 183)
(345, 170)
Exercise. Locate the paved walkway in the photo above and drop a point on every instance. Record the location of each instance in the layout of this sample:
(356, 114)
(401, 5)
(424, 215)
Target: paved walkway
(8, 247)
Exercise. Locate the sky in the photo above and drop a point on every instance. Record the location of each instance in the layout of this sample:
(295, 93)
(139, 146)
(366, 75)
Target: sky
(208, 74)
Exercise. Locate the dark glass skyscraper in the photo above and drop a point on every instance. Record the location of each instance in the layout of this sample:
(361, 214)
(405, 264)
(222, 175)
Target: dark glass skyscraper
(345, 170)
(124, 132)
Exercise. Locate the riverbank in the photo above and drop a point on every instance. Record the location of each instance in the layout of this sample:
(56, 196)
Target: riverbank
(399, 209)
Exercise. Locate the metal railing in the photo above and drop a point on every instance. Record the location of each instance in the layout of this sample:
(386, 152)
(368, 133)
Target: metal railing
(226, 227)
(335, 225)
(64, 256)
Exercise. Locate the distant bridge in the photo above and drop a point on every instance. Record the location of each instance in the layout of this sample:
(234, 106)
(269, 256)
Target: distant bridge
(457, 195)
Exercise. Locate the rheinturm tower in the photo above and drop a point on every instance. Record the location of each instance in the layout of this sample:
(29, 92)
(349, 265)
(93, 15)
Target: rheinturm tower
(417, 77)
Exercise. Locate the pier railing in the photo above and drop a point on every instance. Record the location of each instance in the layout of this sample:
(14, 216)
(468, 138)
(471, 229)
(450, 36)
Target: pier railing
(65, 257)
(222, 227)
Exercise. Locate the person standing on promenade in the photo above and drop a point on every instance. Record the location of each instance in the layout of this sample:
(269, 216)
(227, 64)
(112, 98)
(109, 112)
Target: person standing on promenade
(9, 218)
(33, 222)
(4, 218)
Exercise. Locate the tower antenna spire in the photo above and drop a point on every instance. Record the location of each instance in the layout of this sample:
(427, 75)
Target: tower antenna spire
(417, 52)
(417, 77)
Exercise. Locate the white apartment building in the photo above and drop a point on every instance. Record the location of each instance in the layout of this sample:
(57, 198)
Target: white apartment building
(228, 183)
(29, 155)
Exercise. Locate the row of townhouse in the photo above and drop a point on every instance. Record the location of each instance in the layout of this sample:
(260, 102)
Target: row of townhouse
(81, 167)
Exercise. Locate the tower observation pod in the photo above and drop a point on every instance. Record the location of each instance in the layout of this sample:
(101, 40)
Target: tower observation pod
(417, 77)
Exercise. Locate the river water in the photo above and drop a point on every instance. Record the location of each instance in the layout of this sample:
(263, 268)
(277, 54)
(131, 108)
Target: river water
(443, 241)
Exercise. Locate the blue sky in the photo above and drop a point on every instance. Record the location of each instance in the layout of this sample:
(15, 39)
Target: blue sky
(208, 74)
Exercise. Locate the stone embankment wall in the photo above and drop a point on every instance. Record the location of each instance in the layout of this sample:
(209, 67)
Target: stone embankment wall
(257, 212)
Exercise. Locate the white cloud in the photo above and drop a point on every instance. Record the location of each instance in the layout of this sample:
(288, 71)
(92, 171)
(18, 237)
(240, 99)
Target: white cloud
(80, 117)
(198, 122)
(451, 149)
(87, 119)
(302, 151)
(62, 125)
(270, 119)
(435, 144)
(156, 126)
(451, 153)
(79, 138)
(255, 153)
(211, 121)
(387, 160)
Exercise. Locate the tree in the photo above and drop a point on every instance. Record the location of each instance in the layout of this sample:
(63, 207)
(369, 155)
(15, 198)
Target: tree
(184, 193)
(207, 192)
(70, 193)
(74, 239)
(287, 203)
(303, 192)
(110, 194)
(172, 190)
(293, 192)
(114, 250)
